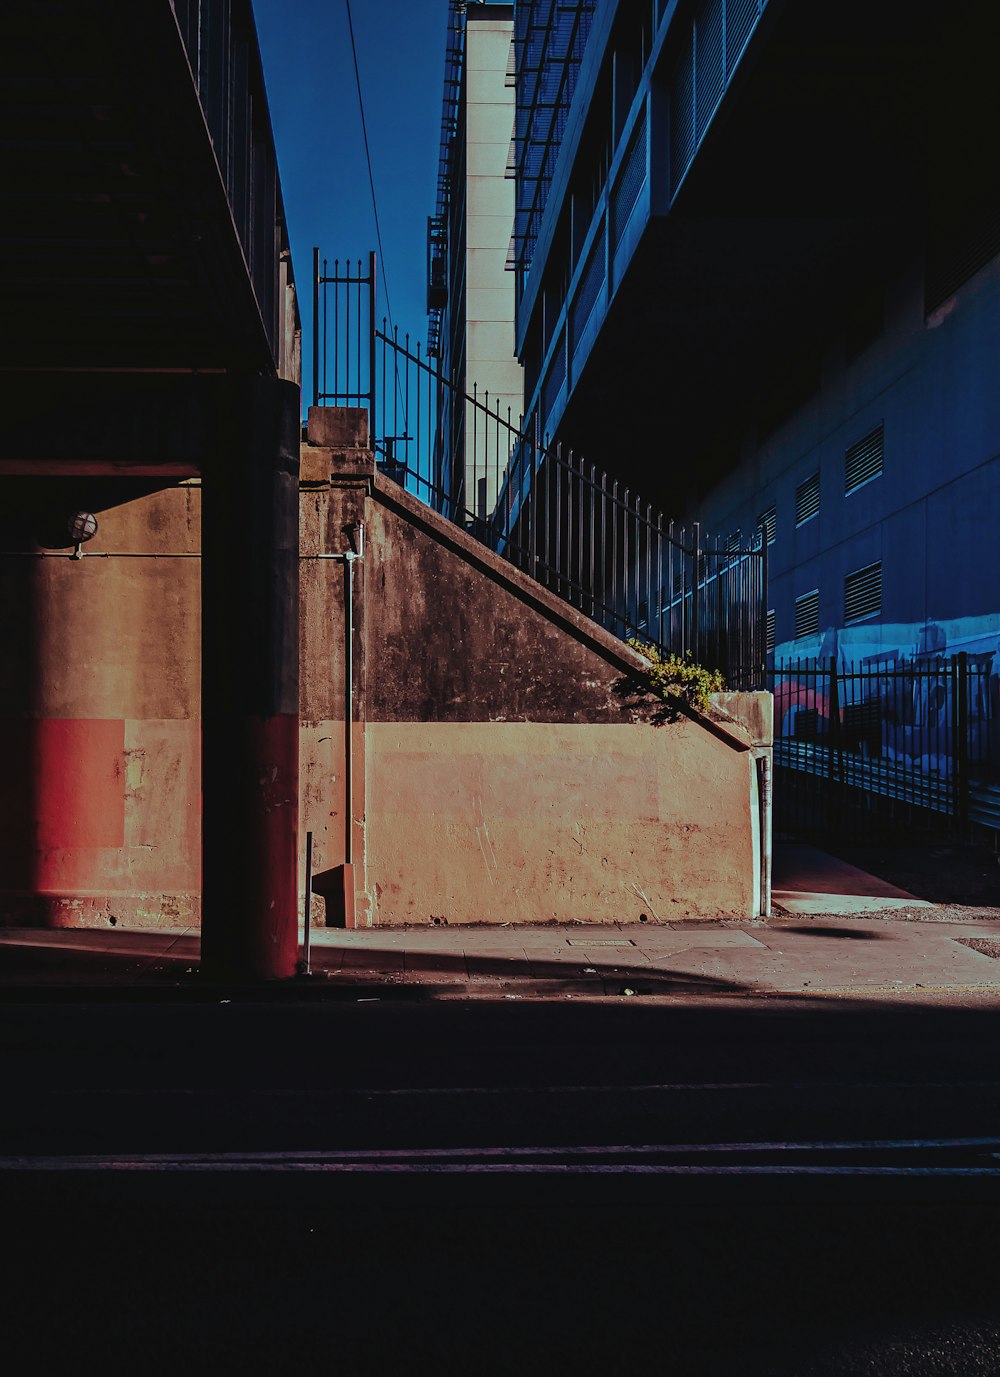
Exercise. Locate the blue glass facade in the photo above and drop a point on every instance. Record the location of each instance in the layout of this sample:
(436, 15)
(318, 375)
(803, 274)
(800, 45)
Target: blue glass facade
(771, 233)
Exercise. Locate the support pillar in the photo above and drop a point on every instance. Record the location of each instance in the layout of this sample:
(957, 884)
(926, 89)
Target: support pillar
(250, 685)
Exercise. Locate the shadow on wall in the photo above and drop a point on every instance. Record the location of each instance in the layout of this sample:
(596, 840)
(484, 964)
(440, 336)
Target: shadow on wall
(61, 713)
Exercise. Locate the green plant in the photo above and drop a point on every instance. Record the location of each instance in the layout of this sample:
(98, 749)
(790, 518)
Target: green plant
(676, 679)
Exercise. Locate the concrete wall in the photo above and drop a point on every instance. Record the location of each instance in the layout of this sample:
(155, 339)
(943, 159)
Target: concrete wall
(99, 701)
(502, 774)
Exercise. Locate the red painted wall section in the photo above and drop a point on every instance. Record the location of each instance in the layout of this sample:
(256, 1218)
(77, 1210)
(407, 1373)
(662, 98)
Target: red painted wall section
(65, 788)
(99, 728)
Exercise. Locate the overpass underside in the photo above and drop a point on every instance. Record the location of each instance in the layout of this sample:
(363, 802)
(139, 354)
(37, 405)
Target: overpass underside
(151, 348)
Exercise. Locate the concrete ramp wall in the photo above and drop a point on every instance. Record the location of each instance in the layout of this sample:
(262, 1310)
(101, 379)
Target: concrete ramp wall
(503, 771)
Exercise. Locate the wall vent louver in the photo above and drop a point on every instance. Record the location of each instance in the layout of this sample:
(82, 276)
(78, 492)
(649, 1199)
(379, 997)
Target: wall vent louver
(768, 523)
(807, 614)
(863, 461)
(807, 500)
(863, 592)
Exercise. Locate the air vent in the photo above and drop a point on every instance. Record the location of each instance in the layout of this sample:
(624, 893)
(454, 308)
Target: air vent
(807, 500)
(863, 461)
(769, 632)
(768, 523)
(863, 593)
(807, 614)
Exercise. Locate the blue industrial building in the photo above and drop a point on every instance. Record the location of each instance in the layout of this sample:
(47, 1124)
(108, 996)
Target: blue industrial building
(756, 275)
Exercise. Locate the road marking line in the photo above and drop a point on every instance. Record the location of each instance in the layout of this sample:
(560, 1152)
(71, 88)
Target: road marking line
(319, 1159)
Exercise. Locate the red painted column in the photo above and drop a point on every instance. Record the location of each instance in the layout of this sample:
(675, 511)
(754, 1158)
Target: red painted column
(250, 685)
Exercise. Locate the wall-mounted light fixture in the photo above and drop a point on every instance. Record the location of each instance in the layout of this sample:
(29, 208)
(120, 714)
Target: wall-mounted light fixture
(82, 526)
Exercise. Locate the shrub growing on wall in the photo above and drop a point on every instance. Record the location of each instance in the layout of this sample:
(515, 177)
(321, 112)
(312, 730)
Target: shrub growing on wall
(676, 679)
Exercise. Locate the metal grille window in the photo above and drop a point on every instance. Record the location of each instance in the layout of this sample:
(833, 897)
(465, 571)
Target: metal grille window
(768, 523)
(709, 60)
(863, 461)
(589, 289)
(807, 500)
(769, 632)
(554, 379)
(807, 614)
(863, 593)
(630, 180)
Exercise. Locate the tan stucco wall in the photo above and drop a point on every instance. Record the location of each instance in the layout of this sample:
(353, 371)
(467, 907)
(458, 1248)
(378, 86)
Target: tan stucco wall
(99, 695)
(501, 772)
(537, 822)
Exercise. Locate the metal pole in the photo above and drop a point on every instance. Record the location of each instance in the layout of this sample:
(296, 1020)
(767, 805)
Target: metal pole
(307, 913)
(315, 327)
(695, 592)
(766, 831)
(962, 729)
(349, 708)
(371, 345)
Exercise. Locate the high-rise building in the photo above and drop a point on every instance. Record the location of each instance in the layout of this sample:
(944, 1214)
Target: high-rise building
(470, 295)
(756, 275)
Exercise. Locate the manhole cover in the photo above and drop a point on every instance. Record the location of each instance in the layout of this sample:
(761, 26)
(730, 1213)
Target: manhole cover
(600, 942)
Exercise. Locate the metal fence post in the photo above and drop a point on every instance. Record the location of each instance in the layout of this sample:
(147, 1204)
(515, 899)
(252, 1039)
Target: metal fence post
(695, 596)
(371, 348)
(962, 734)
(834, 763)
(315, 327)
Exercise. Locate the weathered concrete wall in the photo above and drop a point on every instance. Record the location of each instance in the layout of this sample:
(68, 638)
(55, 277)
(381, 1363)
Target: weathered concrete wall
(504, 771)
(99, 691)
(501, 773)
(539, 821)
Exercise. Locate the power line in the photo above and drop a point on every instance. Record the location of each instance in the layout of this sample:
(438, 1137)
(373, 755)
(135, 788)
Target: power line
(368, 159)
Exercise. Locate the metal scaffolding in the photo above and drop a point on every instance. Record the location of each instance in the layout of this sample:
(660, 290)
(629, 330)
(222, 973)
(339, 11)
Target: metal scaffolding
(549, 41)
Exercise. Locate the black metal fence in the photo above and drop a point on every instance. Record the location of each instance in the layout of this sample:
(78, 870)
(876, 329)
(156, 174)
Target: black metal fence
(882, 745)
(586, 536)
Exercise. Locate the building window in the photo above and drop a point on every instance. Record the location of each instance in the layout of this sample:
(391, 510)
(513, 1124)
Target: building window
(733, 542)
(807, 614)
(863, 461)
(807, 500)
(863, 593)
(768, 523)
(769, 632)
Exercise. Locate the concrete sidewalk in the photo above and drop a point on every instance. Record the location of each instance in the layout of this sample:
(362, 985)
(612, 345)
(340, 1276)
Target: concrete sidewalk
(814, 946)
(805, 957)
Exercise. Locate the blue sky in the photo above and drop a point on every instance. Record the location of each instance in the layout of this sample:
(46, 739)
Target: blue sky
(309, 73)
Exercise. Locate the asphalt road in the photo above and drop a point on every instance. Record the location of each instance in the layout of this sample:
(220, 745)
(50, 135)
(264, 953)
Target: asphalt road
(768, 1188)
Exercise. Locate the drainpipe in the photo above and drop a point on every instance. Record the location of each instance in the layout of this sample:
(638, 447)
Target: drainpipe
(344, 899)
(764, 772)
(349, 557)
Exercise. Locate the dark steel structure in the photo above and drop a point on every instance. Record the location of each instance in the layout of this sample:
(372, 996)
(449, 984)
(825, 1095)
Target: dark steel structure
(549, 41)
(153, 336)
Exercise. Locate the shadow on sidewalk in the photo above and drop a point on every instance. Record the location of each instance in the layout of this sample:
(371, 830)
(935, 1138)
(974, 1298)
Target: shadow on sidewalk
(79, 964)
